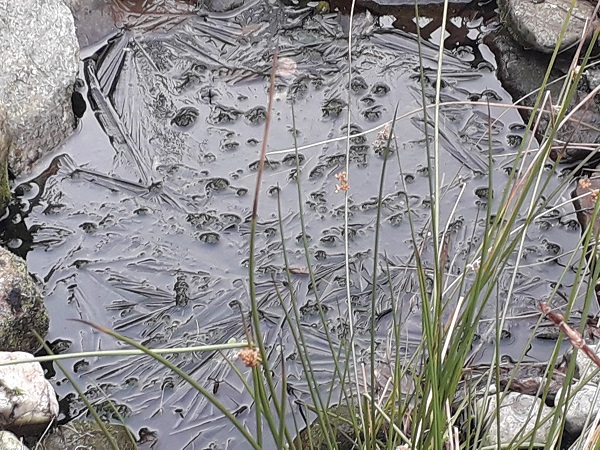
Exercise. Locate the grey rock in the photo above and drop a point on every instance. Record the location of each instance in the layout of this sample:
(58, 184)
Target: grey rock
(517, 417)
(40, 60)
(537, 25)
(27, 400)
(22, 309)
(582, 403)
(80, 434)
(582, 128)
(520, 71)
(93, 20)
(586, 367)
(591, 76)
(72, 3)
(9, 441)
(581, 442)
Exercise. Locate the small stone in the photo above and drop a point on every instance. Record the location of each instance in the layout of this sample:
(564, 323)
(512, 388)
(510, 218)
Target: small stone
(518, 413)
(9, 441)
(583, 403)
(592, 77)
(27, 400)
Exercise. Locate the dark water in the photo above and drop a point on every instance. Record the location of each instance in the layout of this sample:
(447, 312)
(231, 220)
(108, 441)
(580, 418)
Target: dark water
(140, 222)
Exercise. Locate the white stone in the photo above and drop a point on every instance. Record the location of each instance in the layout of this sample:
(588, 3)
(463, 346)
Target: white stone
(27, 399)
(40, 60)
(517, 417)
(9, 441)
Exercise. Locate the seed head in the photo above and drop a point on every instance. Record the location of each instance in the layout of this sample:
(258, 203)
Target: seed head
(585, 183)
(250, 356)
(343, 185)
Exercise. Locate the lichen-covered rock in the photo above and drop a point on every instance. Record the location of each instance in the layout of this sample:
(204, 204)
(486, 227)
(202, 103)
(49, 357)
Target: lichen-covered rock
(27, 400)
(9, 441)
(537, 25)
(5, 141)
(80, 434)
(517, 417)
(40, 60)
(22, 308)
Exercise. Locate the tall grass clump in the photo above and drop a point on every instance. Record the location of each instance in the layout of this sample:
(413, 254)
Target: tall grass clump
(451, 310)
(425, 398)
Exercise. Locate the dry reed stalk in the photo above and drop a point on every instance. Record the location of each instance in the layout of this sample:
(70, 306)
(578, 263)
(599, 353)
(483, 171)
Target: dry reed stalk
(576, 339)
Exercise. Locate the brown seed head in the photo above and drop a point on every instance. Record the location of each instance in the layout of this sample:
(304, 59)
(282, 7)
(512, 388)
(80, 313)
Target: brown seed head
(585, 183)
(343, 185)
(250, 357)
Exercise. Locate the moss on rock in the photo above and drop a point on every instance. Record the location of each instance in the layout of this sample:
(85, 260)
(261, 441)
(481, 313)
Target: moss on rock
(5, 142)
(22, 308)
